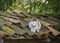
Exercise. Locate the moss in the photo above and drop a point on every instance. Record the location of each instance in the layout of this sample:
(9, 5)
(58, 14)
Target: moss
(57, 27)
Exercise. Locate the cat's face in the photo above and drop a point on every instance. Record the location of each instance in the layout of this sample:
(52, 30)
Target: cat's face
(34, 24)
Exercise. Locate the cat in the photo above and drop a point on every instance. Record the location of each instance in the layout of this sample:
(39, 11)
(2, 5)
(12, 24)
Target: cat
(34, 25)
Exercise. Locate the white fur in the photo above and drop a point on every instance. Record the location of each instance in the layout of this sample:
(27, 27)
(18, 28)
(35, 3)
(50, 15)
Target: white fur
(34, 26)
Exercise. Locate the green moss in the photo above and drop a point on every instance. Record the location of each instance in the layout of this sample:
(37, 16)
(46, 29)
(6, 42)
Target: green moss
(57, 27)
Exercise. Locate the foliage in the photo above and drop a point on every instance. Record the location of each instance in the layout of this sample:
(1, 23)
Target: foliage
(53, 6)
(57, 27)
(4, 4)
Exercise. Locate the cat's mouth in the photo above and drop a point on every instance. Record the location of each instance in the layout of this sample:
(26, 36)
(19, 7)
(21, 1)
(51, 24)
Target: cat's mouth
(33, 26)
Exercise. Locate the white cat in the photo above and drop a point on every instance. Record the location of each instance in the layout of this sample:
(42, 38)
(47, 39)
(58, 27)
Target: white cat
(34, 25)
